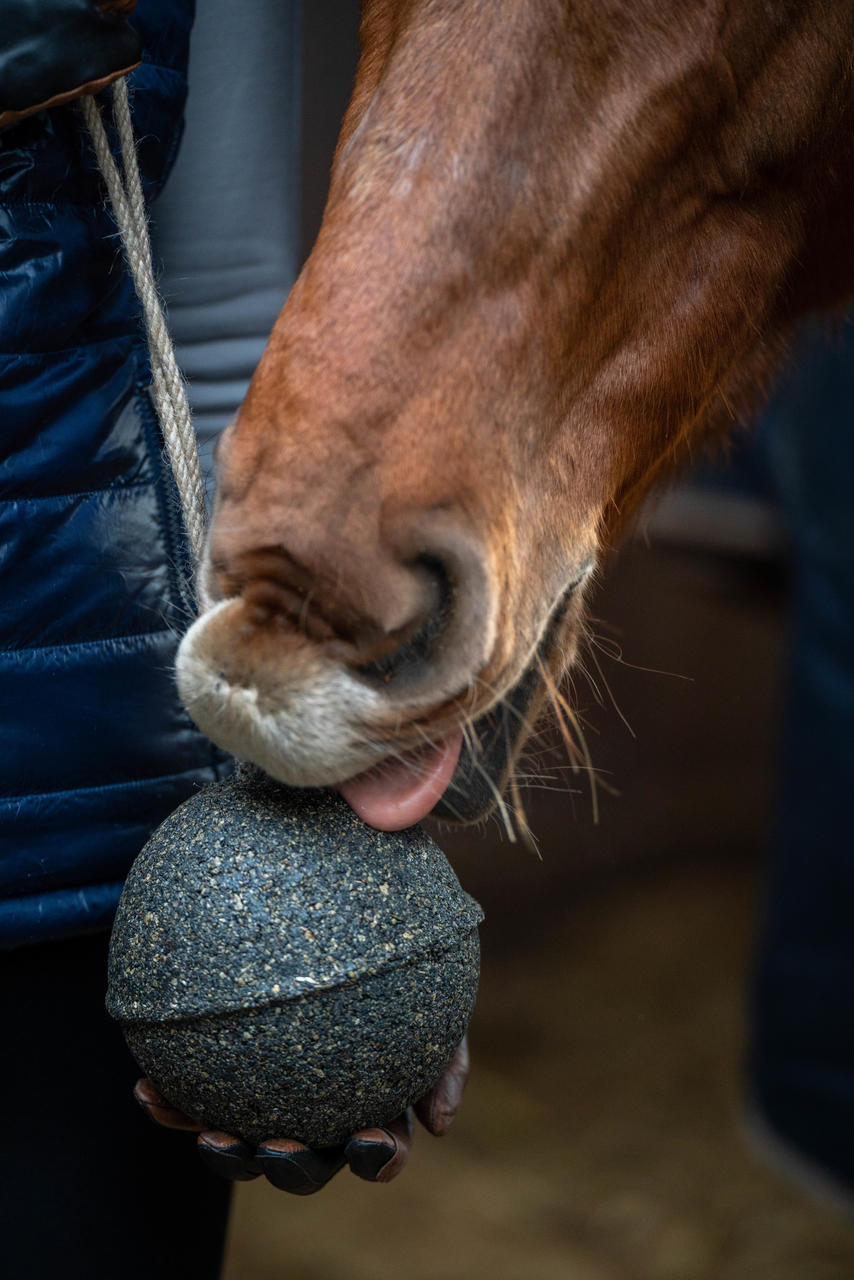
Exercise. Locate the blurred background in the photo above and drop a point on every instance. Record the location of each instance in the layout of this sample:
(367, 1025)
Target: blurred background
(604, 1133)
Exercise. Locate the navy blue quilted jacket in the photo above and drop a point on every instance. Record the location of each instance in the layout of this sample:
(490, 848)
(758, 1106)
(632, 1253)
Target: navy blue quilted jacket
(95, 748)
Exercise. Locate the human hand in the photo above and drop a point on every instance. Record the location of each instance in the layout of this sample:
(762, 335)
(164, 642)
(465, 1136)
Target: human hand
(376, 1154)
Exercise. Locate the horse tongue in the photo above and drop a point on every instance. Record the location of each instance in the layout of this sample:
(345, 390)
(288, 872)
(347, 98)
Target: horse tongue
(399, 793)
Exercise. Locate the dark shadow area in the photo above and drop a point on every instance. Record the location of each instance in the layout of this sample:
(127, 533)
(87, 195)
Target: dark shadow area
(329, 54)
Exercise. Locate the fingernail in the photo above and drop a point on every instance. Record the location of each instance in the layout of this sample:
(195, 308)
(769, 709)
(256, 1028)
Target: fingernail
(370, 1157)
(301, 1173)
(233, 1161)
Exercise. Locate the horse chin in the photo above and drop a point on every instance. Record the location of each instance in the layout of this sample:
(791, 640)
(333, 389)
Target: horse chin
(483, 771)
(495, 740)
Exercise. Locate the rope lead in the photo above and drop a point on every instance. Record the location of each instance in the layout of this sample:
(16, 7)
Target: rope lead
(170, 397)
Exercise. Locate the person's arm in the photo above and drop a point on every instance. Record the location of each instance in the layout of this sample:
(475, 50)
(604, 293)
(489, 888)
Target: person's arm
(53, 51)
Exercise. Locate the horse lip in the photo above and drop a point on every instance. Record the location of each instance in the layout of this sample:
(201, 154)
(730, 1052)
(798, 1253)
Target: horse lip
(478, 780)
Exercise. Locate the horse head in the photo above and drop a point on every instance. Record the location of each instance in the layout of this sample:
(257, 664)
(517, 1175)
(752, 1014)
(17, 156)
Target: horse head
(564, 244)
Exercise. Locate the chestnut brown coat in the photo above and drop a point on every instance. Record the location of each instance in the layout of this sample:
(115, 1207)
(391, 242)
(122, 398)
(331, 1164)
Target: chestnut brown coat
(566, 242)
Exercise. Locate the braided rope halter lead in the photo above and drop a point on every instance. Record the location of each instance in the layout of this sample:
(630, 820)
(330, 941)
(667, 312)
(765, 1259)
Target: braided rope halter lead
(170, 396)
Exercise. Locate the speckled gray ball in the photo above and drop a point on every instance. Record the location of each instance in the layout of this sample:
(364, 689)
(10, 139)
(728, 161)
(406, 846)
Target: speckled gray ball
(281, 970)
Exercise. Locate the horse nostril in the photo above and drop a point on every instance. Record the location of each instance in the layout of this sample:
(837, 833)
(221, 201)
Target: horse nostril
(412, 614)
(411, 657)
(453, 633)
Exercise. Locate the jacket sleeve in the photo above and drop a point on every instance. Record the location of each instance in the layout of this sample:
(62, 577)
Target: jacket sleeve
(52, 51)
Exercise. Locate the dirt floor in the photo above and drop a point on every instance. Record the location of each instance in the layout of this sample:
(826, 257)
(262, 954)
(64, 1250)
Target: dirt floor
(600, 1136)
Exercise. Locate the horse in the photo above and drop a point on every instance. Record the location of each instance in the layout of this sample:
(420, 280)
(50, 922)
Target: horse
(566, 245)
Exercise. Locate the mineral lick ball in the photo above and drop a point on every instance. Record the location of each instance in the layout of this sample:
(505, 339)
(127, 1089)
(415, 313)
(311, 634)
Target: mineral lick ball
(282, 970)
